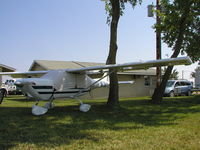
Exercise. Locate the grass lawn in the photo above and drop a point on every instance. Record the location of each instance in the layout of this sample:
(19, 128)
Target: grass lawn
(173, 125)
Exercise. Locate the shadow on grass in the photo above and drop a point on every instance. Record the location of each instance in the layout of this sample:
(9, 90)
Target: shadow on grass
(64, 124)
(18, 98)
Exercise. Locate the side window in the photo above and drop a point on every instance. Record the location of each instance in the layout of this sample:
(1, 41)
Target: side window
(182, 83)
(177, 84)
(188, 83)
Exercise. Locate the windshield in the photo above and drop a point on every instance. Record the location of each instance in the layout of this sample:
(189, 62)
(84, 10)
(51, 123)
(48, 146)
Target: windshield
(170, 83)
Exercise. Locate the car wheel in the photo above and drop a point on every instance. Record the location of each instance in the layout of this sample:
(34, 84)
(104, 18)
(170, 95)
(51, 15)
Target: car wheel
(189, 93)
(171, 94)
(2, 94)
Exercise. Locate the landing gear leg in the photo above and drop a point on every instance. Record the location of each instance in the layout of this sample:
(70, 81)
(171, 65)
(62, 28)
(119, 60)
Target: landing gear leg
(37, 103)
(49, 105)
(38, 110)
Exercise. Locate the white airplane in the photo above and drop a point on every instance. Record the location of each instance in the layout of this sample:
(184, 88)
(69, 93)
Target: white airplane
(72, 83)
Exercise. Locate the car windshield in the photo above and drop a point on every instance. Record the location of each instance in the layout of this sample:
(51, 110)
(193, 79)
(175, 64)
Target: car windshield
(170, 83)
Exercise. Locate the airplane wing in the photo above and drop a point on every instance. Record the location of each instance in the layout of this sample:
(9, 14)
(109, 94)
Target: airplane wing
(24, 74)
(137, 65)
(118, 67)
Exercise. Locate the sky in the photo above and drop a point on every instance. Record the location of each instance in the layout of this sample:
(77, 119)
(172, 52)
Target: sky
(74, 31)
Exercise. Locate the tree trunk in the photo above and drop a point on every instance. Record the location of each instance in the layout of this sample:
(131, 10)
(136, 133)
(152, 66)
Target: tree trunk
(113, 98)
(159, 92)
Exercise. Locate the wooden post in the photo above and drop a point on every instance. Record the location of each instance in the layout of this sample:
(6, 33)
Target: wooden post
(1, 76)
(158, 45)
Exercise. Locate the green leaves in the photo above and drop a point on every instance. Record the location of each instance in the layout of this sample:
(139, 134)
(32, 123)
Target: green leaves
(108, 7)
(184, 16)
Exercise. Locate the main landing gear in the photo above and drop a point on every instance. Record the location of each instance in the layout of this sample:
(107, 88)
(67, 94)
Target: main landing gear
(38, 110)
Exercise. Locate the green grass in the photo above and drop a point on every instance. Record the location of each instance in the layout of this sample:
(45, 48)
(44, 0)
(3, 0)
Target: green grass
(172, 125)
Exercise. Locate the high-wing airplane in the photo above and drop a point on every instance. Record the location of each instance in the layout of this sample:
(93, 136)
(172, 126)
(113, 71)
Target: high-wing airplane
(72, 83)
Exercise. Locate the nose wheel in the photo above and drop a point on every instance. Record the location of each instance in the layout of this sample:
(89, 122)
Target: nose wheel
(49, 105)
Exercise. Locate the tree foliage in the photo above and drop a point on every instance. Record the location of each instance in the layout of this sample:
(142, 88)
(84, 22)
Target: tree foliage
(185, 13)
(193, 74)
(174, 74)
(122, 3)
(180, 26)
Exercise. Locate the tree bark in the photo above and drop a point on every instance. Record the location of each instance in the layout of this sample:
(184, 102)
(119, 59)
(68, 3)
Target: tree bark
(159, 92)
(113, 98)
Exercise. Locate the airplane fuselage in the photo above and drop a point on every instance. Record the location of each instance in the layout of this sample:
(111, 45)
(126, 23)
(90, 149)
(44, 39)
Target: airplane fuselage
(58, 84)
(71, 83)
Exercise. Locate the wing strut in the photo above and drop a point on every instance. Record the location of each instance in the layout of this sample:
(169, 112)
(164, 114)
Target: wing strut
(92, 85)
(86, 107)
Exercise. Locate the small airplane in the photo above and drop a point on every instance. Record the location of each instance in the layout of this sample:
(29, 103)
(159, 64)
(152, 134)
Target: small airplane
(72, 83)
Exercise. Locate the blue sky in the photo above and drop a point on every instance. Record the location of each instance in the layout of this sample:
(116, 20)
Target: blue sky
(72, 31)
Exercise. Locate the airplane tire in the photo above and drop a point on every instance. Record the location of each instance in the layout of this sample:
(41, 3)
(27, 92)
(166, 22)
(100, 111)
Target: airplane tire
(2, 95)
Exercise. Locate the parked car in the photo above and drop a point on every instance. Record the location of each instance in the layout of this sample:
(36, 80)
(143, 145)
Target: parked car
(178, 87)
(9, 87)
